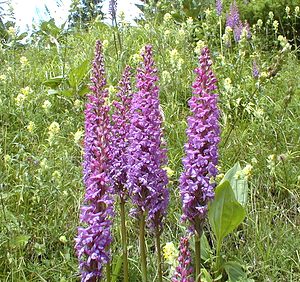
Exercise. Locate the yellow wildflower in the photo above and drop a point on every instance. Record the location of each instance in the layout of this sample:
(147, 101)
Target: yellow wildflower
(169, 171)
(23, 61)
(167, 17)
(166, 77)
(56, 175)
(275, 25)
(271, 15)
(199, 46)
(170, 253)
(26, 90)
(77, 136)
(12, 31)
(54, 127)
(63, 239)
(31, 126)
(259, 23)
(20, 99)
(247, 171)
(77, 104)
(190, 22)
(7, 158)
(46, 105)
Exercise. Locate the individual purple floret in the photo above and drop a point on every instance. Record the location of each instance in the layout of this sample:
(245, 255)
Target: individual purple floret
(219, 7)
(94, 237)
(146, 179)
(196, 181)
(255, 70)
(184, 270)
(120, 131)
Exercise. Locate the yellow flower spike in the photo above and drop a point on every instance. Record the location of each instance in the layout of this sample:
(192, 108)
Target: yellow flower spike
(271, 15)
(275, 25)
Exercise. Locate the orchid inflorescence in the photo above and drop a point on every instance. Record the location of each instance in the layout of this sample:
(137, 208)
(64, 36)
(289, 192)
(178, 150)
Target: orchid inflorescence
(125, 156)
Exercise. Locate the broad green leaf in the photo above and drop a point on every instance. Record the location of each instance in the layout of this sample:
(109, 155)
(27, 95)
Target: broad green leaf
(53, 82)
(20, 241)
(83, 89)
(225, 212)
(22, 35)
(238, 185)
(68, 92)
(205, 248)
(235, 271)
(77, 74)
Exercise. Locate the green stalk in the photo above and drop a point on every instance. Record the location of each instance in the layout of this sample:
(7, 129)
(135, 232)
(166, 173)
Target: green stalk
(218, 258)
(108, 272)
(124, 240)
(197, 258)
(220, 24)
(143, 248)
(158, 251)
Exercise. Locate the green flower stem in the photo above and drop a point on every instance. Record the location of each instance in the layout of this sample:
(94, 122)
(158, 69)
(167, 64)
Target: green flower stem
(143, 248)
(221, 43)
(124, 240)
(108, 272)
(197, 258)
(158, 251)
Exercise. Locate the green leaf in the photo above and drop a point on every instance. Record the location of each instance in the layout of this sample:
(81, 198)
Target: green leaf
(117, 268)
(205, 276)
(68, 92)
(239, 185)
(205, 248)
(78, 74)
(235, 271)
(20, 241)
(83, 89)
(22, 36)
(53, 82)
(225, 212)
(52, 92)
